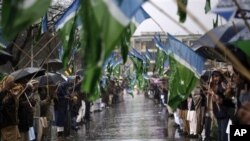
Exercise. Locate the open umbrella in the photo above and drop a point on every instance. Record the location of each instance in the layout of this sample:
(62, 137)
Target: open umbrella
(52, 65)
(51, 79)
(4, 57)
(224, 33)
(25, 74)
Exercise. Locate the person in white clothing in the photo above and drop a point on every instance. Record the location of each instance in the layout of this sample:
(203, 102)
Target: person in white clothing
(192, 118)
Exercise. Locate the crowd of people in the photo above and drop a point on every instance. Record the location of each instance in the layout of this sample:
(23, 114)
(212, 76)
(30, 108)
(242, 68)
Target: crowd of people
(221, 99)
(27, 111)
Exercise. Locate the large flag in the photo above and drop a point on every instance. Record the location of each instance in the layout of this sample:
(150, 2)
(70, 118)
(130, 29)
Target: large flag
(228, 9)
(66, 26)
(17, 15)
(104, 25)
(185, 67)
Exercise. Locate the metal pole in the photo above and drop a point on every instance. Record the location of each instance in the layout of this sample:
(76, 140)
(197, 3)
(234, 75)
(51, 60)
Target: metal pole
(32, 53)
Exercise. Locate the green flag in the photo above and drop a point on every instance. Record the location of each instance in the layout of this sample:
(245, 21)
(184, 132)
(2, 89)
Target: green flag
(182, 13)
(161, 55)
(105, 21)
(207, 6)
(185, 67)
(181, 82)
(138, 67)
(66, 28)
(17, 15)
(159, 61)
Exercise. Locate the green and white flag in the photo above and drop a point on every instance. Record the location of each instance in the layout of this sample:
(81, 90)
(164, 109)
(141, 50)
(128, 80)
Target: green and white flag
(104, 22)
(161, 55)
(114, 16)
(66, 27)
(185, 67)
(17, 15)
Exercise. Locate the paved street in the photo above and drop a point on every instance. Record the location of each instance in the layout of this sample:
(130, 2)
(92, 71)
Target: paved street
(135, 119)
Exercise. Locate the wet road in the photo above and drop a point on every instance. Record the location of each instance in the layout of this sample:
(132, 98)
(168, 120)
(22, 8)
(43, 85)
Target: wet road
(135, 119)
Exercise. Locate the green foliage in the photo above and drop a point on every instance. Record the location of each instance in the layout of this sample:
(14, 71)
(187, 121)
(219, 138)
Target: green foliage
(181, 12)
(16, 17)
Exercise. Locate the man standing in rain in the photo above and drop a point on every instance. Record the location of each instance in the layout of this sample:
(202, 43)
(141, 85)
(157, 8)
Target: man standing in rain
(62, 105)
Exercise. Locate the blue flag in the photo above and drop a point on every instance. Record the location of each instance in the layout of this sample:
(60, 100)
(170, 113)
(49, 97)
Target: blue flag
(140, 16)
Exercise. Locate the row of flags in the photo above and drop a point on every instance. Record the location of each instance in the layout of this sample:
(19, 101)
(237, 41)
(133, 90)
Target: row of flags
(110, 17)
(71, 11)
(184, 64)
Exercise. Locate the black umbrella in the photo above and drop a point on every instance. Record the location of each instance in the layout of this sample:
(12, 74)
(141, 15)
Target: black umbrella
(224, 33)
(4, 57)
(51, 79)
(25, 74)
(52, 65)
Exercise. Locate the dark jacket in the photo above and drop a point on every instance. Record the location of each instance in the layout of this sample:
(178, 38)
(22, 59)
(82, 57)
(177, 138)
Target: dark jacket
(62, 103)
(221, 110)
(183, 105)
(25, 114)
(8, 110)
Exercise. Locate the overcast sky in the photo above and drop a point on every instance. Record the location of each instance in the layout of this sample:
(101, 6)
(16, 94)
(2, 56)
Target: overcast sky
(195, 6)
